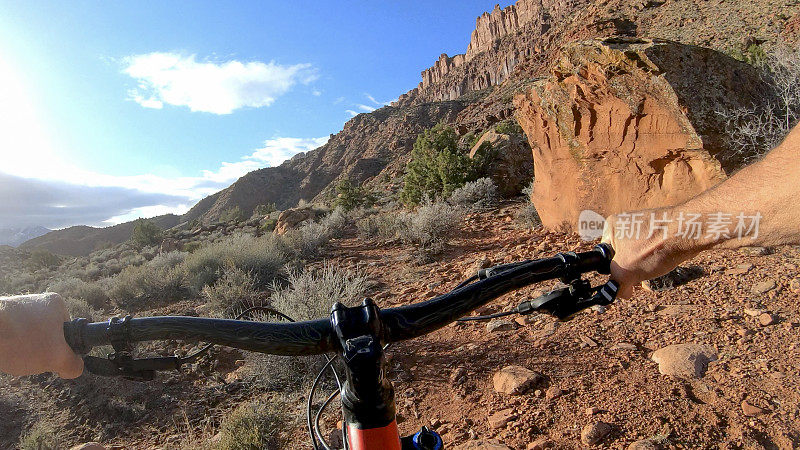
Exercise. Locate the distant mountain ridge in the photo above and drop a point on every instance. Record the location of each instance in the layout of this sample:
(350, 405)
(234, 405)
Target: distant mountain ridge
(13, 237)
(81, 240)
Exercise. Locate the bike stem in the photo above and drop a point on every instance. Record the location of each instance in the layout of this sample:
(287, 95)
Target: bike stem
(367, 394)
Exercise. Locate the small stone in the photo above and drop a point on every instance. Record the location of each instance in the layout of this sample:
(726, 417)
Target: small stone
(599, 309)
(684, 360)
(501, 418)
(744, 332)
(482, 444)
(594, 432)
(740, 269)
(752, 312)
(88, 446)
(767, 319)
(552, 393)
(794, 285)
(497, 325)
(458, 376)
(751, 410)
(625, 346)
(515, 380)
(763, 287)
(593, 410)
(542, 443)
(644, 444)
(587, 341)
(755, 251)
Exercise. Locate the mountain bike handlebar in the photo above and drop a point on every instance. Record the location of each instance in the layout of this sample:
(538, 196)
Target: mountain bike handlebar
(400, 323)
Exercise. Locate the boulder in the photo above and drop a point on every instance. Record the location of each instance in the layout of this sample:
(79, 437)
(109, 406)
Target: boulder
(684, 360)
(291, 218)
(625, 124)
(511, 167)
(515, 380)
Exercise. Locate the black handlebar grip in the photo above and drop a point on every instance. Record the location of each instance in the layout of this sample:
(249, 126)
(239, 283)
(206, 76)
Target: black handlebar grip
(75, 335)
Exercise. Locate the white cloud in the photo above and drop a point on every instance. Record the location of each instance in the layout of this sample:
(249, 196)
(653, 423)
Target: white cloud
(208, 86)
(365, 108)
(351, 112)
(273, 153)
(338, 100)
(316, 93)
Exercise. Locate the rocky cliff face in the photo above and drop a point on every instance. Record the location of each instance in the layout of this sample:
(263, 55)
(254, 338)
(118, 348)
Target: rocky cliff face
(520, 41)
(627, 124)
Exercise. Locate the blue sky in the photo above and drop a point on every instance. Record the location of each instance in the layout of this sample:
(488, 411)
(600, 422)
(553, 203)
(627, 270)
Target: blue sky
(166, 102)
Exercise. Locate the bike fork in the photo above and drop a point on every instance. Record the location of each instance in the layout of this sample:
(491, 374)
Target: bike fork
(367, 394)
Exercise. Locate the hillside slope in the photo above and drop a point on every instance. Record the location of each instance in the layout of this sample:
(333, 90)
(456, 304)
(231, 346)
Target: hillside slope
(82, 240)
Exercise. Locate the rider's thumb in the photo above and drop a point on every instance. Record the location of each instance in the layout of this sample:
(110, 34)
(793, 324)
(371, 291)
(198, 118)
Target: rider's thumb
(71, 367)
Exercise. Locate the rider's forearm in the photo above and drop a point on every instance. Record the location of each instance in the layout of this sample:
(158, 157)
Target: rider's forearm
(768, 189)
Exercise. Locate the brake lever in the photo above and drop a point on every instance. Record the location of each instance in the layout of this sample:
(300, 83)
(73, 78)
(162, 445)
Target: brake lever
(123, 365)
(564, 303)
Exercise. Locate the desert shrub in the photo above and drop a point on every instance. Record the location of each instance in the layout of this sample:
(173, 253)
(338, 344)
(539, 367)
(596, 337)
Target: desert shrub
(479, 194)
(754, 131)
(429, 227)
(78, 307)
(527, 216)
(383, 226)
(135, 286)
(311, 293)
(254, 425)
(41, 436)
(509, 126)
(438, 166)
(350, 195)
(40, 259)
(232, 215)
(262, 257)
(145, 233)
(93, 293)
(308, 239)
(168, 260)
(306, 295)
(234, 290)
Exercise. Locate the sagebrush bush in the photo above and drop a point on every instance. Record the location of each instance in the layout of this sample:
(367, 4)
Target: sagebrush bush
(234, 290)
(438, 166)
(311, 293)
(254, 425)
(429, 227)
(137, 286)
(306, 295)
(92, 292)
(306, 241)
(41, 436)
(263, 257)
(479, 194)
(528, 217)
(754, 131)
(168, 260)
(80, 308)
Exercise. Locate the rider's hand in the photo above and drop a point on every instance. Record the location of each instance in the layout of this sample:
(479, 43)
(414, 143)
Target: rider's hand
(641, 255)
(32, 337)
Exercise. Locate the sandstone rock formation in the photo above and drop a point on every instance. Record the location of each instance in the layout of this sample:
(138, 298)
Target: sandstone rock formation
(293, 217)
(511, 167)
(626, 124)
